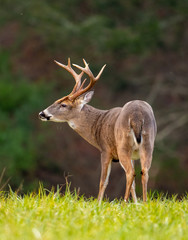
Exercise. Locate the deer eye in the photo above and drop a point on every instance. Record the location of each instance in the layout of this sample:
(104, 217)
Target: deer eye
(63, 105)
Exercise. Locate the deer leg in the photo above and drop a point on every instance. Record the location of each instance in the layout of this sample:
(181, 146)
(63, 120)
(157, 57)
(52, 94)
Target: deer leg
(145, 158)
(105, 172)
(125, 162)
(133, 192)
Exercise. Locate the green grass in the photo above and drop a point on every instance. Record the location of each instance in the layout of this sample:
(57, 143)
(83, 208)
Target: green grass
(54, 216)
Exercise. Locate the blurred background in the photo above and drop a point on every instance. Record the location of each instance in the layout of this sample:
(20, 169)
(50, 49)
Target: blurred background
(145, 46)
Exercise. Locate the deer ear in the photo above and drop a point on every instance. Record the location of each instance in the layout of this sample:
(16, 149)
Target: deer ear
(85, 99)
(88, 96)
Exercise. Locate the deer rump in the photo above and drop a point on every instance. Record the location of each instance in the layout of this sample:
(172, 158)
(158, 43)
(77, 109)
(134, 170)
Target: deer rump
(135, 122)
(136, 132)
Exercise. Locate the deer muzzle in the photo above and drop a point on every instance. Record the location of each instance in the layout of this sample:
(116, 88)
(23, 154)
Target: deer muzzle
(44, 117)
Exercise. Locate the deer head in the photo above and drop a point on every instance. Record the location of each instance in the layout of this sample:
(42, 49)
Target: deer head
(68, 107)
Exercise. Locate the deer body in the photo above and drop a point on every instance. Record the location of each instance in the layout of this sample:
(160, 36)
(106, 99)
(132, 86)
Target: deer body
(123, 134)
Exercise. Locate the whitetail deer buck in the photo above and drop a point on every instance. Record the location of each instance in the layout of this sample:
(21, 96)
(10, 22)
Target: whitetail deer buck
(124, 133)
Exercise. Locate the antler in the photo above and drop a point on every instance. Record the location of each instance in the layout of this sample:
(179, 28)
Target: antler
(78, 88)
(93, 79)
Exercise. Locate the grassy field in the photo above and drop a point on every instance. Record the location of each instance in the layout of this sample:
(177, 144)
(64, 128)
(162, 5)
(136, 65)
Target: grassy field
(54, 216)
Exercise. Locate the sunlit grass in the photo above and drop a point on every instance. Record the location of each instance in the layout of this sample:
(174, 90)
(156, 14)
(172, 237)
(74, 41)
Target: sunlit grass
(50, 215)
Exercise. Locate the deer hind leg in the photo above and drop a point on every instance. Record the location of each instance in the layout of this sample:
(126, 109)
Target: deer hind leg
(146, 159)
(133, 192)
(125, 161)
(105, 173)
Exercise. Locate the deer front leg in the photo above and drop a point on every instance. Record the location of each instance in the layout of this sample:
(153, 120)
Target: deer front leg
(105, 172)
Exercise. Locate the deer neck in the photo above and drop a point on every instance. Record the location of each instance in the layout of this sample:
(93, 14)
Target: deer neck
(85, 123)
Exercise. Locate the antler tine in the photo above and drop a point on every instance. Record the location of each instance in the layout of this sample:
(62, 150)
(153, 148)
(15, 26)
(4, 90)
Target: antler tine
(77, 77)
(78, 84)
(69, 62)
(99, 74)
(88, 71)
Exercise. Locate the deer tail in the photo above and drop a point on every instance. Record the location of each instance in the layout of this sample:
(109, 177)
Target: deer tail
(136, 126)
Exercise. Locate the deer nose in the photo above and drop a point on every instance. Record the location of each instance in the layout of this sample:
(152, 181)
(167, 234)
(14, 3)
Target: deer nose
(43, 116)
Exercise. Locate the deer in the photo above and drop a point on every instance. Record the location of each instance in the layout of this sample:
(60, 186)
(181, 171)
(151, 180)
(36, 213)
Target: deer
(121, 134)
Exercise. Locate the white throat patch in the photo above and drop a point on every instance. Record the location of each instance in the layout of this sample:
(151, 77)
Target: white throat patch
(71, 124)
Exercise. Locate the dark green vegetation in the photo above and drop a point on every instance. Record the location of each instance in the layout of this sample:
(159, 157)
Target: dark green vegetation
(144, 44)
(19, 98)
